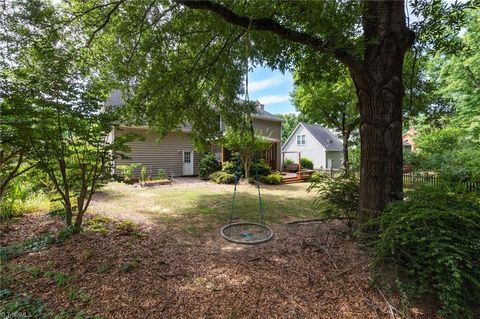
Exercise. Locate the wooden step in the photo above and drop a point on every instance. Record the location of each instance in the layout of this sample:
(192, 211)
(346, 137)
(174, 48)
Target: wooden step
(290, 180)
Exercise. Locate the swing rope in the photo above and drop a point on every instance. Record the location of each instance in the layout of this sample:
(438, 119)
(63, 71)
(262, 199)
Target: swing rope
(267, 232)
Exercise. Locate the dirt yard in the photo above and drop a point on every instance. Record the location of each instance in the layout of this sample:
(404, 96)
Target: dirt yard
(172, 263)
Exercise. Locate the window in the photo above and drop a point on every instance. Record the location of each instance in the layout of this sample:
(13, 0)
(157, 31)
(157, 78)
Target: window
(221, 124)
(186, 157)
(300, 139)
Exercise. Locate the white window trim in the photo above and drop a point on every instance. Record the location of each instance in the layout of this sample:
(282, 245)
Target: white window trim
(302, 139)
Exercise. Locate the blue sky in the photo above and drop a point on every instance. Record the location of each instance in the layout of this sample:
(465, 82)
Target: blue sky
(271, 88)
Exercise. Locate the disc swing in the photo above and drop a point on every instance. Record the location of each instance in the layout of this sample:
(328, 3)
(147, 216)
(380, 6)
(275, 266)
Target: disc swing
(247, 232)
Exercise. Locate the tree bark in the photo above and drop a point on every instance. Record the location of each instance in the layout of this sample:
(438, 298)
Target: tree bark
(380, 93)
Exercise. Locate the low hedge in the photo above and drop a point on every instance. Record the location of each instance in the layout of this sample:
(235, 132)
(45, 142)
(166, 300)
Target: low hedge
(222, 177)
(272, 179)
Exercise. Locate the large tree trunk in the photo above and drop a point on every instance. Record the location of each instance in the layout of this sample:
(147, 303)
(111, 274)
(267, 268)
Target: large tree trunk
(380, 92)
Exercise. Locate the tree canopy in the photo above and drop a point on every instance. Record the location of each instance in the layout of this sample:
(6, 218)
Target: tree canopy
(184, 60)
(452, 149)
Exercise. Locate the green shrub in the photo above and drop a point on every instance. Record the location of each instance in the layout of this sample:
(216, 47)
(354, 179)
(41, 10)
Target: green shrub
(128, 228)
(306, 163)
(229, 167)
(272, 179)
(288, 161)
(59, 278)
(128, 172)
(261, 168)
(222, 177)
(434, 239)
(161, 174)
(336, 197)
(208, 165)
(98, 224)
(22, 306)
(143, 174)
(317, 177)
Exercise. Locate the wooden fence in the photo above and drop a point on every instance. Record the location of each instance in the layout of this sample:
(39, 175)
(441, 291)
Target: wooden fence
(416, 179)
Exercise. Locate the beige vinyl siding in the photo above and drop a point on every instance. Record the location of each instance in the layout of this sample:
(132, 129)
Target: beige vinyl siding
(268, 128)
(196, 161)
(273, 130)
(165, 154)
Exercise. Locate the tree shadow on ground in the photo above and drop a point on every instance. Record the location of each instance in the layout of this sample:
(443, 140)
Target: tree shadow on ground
(210, 211)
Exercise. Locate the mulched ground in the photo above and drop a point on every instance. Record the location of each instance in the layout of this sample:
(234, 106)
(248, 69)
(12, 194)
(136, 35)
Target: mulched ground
(27, 227)
(308, 271)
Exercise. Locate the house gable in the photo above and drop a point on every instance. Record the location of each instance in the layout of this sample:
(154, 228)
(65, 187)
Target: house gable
(312, 149)
(299, 130)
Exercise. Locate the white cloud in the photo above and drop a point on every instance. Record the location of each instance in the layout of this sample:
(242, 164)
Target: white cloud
(285, 113)
(272, 99)
(267, 83)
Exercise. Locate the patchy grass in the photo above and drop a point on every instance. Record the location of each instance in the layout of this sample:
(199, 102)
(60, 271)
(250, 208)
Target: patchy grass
(201, 207)
(36, 202)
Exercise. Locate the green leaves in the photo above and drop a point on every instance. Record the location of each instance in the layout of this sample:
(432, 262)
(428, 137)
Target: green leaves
(434, 237)
(330, 100)
(54, 101)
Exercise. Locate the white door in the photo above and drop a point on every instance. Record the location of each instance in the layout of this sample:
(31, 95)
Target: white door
(187, 162)
(329, 163)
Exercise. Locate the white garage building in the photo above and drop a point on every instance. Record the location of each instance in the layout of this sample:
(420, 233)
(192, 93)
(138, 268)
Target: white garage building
(317, 144)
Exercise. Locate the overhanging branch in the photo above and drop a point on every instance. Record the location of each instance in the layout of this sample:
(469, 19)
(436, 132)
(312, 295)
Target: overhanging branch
(270, 25)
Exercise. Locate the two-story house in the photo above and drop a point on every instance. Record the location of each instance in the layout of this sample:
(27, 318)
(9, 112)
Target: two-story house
(175, 153)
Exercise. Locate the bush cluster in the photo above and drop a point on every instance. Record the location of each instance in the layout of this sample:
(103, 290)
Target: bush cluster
(433, 237)
(261, 168)
(229, 167)
(207, 165)
(128, 172)
(221, 177)
(306, 163)
(272, 179)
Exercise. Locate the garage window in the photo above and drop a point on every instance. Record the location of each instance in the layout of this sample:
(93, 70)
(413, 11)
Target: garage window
(300, 139)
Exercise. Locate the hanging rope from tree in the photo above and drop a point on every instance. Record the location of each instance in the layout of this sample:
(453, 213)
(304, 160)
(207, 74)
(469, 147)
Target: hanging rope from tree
(244, 232)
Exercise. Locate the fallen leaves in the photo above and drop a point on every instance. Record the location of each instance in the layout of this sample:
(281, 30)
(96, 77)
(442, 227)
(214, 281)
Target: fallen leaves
(174, 275)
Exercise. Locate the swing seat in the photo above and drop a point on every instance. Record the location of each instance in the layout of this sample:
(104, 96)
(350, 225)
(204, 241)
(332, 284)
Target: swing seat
(246, 233)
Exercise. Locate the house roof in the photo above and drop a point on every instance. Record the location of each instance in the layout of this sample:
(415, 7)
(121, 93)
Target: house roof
(115, 99)
(323, 136)
(260, 113)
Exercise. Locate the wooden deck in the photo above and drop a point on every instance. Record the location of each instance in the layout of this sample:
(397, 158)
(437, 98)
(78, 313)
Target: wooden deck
(298, 177)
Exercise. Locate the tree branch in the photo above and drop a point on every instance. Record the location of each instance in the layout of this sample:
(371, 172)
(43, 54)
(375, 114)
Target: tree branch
(105, 22)
(270, 25)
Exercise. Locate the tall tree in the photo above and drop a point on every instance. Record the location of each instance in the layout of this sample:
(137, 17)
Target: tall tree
(194, 42)
(453, 149)
(246, 142)
(330, 101)
(290, 121)
(54, 103)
